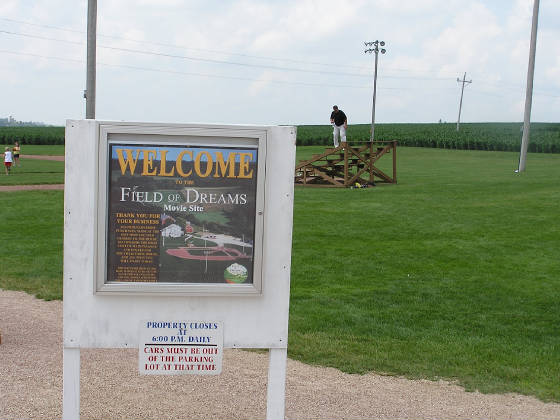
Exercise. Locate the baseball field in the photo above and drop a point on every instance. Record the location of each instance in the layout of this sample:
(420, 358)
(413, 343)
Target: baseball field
(452, 273)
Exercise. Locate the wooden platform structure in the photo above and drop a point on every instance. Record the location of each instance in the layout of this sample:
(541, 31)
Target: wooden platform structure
(348, 164)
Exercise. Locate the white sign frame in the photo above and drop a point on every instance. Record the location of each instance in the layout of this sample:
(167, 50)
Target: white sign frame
(173, 135)
(100, 320)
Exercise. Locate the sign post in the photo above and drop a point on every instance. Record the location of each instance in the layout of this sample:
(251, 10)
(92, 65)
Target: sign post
(177, 243)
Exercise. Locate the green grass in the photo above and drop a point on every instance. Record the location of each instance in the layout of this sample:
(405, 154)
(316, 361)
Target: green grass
(39, 149)
(31, 242)
(34, 171)
(452, 273)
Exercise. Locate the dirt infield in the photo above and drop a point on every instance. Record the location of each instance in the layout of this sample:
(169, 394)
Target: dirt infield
(111, 388)
(44, 157)
(31, 187)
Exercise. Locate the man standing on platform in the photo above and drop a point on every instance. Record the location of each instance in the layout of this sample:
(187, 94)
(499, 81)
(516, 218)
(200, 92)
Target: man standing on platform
(340, 124)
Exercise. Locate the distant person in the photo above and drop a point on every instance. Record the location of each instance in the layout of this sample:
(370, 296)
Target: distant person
(340, 124)
(8, 160)
(16, 151)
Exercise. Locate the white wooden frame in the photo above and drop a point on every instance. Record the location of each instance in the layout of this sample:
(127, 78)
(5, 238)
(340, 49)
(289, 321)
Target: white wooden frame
(97, 320)
(172, 135)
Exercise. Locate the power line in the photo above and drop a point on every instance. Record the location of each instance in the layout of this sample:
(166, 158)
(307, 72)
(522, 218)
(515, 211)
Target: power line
(209, 75)
(177, 56)
(163, 44)
(185, 57)
(212, 75)
(213, 61)
(185, 73)
(400, 88)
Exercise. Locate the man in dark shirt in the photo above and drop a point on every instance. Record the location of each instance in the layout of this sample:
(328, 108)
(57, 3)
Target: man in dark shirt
(340, 124)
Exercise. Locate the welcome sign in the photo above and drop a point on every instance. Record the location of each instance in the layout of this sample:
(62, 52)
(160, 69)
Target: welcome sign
(177, 241)
(181, 214)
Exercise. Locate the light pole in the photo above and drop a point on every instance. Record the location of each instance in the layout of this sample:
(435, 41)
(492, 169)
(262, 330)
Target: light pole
(529, 91)
(89, 93)
(376, 50)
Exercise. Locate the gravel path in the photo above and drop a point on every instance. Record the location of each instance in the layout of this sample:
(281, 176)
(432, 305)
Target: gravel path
(31, 187)
(43, 157)
(31, 384)
(60, 158)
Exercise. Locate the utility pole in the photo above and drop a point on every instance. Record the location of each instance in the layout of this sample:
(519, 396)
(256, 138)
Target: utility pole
(461, 100)
(89, 93)
(529, 92)
(375, 50)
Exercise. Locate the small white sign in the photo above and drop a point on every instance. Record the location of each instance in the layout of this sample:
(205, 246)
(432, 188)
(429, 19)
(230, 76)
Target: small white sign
(180, 347)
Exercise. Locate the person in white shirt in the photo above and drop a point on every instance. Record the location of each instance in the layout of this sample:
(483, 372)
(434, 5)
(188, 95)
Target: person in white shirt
(8, 160)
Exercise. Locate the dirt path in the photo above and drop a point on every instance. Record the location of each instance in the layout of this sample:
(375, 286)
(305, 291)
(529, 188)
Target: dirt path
(111, 388)
(31, 187)
(43, 157)
(35, 187)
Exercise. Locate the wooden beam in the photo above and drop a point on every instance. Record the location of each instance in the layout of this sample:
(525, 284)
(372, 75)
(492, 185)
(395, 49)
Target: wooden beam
(316, 158)
(329, 179)
(343, 166)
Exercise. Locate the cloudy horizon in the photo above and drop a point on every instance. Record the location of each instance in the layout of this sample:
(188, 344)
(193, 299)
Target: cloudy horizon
(272, 62)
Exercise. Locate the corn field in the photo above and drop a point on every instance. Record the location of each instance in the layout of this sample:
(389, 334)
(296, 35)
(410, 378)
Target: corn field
(32, 135)
(544, 137)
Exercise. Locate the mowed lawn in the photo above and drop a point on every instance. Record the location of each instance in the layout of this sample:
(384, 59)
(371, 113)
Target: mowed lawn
(35, 171)
(452, 273)
(31, 242)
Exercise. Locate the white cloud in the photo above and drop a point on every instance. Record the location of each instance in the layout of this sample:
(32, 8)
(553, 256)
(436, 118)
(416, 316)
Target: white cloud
(8, 6)
(429, 44)
(469, 42)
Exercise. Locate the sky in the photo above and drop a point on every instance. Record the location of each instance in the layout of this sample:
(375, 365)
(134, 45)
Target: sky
(279, 61)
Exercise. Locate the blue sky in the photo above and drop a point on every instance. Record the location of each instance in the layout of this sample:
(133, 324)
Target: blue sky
(278, 62)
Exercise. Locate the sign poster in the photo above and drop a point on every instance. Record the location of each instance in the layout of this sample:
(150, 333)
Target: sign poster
(181, 214)
(180, 347)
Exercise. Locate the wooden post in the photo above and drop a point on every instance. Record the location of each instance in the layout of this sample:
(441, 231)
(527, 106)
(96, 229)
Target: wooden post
(370, 162)
(70, 383)
(346, 165)
(394, 162)
(276, 391)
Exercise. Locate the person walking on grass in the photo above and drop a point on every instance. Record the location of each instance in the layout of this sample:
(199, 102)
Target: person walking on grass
(16, 151)
(340, 124)
(7, 160)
